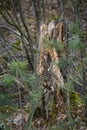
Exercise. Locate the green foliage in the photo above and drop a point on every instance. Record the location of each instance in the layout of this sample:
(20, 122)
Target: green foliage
(15, 66)
(49, 44)
(62, 63)
(75, 43)
(75, 100)
(8, 80)
(29, 79)
(18, 70)
(17, 42)
(35, 97)
(37, 89)
(34, 50)
(52, 127)
(54, 17)
(16, 47)
(15, 69)
(71, 85)
(74, 29)
(5, 99)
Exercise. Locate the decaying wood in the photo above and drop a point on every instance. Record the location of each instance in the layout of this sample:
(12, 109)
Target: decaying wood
(47, 57)
(46, 67)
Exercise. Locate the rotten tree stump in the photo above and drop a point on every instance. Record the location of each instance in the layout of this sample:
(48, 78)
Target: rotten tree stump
(46, 67)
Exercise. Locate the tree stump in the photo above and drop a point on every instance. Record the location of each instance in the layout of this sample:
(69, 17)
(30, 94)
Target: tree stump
(46, 67)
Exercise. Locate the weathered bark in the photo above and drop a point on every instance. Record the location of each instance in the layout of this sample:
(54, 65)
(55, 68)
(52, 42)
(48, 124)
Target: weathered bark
(47, 58)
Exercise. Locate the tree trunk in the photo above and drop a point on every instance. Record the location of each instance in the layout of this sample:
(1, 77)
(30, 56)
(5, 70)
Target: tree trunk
(47, 68)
